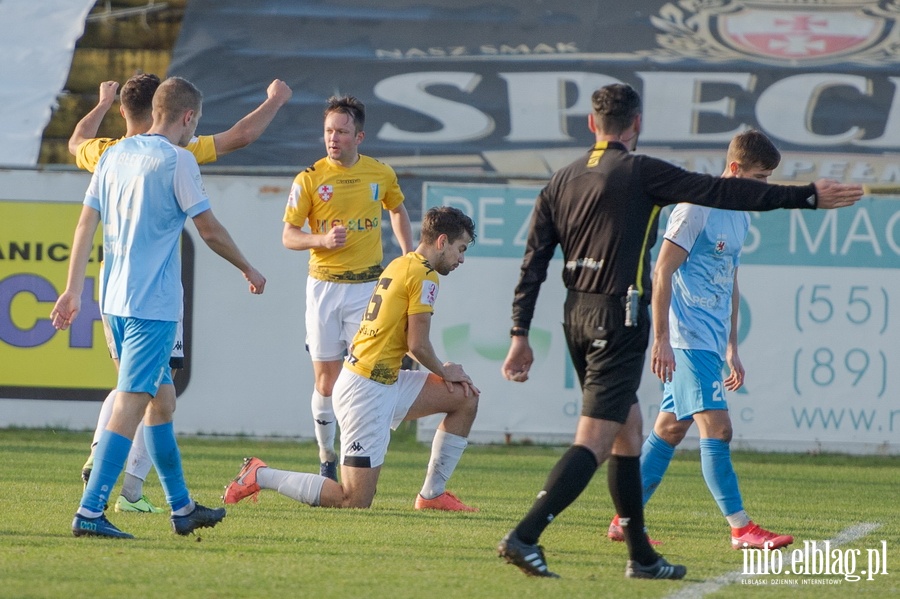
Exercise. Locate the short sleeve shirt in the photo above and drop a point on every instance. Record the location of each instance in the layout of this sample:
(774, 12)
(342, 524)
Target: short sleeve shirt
(144, 189)
(90, 150)
(327, 195)
(407, 286)
(702, 287)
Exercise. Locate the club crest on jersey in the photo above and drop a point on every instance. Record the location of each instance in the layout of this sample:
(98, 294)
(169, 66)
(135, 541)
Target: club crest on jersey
(375, 188)
(720, 245)
(326, 192)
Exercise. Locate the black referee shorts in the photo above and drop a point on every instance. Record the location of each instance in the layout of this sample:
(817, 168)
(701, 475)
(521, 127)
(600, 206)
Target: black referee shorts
(607, 355)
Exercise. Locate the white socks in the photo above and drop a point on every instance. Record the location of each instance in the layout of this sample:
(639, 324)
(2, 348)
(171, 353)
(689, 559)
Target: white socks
(105, 415)
(325, 426)
(299, 486)
(738, 519)
(139, 462)
(446, 450)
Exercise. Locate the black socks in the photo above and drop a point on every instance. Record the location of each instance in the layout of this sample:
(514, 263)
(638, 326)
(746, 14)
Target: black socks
(626, 490)
(565, 483)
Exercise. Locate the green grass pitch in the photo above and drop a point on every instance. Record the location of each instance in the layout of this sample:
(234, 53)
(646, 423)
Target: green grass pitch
(279, 548)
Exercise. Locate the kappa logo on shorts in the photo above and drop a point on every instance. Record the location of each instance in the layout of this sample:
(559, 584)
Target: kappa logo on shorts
(355, 447)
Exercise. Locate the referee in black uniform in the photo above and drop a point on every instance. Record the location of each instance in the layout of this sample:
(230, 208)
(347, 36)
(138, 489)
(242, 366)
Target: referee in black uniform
(603, 210)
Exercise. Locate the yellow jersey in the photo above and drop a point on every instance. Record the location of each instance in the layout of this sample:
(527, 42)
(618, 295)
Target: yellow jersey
(89, 151)
(327, 195)
(407, 286)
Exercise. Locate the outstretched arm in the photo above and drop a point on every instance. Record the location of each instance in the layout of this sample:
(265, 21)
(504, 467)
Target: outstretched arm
(88, 126)
(248, 129)
(219, 240)
(831, 194)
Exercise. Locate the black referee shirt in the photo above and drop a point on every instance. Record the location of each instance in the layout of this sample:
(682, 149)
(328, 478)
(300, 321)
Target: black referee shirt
(603, 210)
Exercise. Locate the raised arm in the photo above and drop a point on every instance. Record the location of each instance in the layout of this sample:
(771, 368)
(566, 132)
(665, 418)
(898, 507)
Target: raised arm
(248, 129)
(219, 240)
(88, 126)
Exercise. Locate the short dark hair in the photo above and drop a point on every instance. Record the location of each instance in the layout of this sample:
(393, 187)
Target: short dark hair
(350, 106)
(137, 95)
(174, 96)
(752, 149)
(446, 220)
(615, 107)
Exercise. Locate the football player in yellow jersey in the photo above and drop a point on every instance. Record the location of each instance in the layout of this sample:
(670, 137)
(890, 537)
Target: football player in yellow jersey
(373, 395)
(136, 100)
(335, 210)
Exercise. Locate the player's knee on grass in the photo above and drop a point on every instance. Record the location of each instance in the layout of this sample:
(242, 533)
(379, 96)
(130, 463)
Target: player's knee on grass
(357, 489)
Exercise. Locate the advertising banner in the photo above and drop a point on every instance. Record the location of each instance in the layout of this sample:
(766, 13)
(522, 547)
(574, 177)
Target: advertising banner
(817, 322)
(34, 260)
(469, 87)
(819, 297)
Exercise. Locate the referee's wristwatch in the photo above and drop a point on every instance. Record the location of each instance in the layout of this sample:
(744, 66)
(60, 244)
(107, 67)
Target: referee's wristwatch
(518, 332)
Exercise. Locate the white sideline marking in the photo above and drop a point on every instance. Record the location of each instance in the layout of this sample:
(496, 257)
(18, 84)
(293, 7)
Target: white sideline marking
(700, 589)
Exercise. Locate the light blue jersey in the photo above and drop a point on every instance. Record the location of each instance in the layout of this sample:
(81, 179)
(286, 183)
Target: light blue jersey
(144, 188)
(702, 287)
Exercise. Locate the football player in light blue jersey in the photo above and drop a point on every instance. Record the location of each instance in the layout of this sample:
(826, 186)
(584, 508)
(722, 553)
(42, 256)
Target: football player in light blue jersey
(142, 192)
(695, 312)
(136, 99)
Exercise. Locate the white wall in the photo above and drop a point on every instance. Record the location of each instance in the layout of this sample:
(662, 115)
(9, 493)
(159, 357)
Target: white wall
(813, 383)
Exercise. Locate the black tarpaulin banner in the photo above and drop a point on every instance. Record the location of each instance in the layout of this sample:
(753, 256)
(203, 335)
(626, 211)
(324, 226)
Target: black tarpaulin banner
(504, 86)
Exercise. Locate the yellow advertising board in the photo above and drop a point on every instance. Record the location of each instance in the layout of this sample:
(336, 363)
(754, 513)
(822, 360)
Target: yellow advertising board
(39, 362)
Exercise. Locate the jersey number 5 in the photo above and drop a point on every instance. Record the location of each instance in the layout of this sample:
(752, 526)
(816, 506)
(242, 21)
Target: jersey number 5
(375, 302)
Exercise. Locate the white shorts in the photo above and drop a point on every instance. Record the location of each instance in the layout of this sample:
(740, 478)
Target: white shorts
(367, 411)
(176, 359)
(333, 312)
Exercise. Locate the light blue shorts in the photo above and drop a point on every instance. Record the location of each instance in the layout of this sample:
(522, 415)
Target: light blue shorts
(696, 385)
(144, 347)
